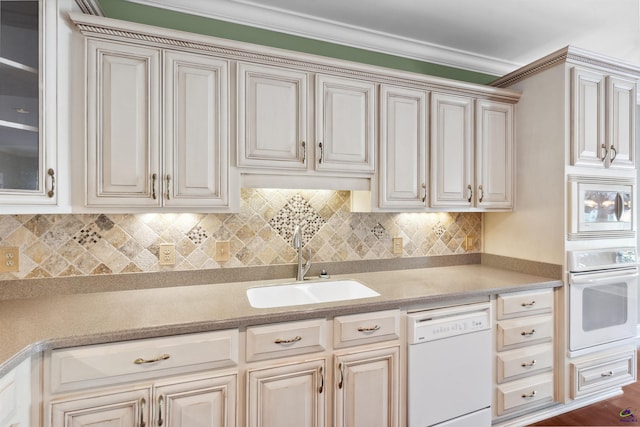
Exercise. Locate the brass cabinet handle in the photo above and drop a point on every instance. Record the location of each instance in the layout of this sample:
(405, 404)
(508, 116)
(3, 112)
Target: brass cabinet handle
(481, 190)
(470, 188)
(529, 364)
(304, 152)
(154, 177)
(368, 329)
(143, 403)
(321, 372)
(160, 405)
(607, 374)
(529, 304)
(528, 334)
(424, 197)
(168, 178)
(341, 371)
(321, 152)
(288, 341)
(141, 361)
(530, 395)
(52, 174)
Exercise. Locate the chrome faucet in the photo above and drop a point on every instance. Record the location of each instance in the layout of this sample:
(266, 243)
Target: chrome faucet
(296, 241)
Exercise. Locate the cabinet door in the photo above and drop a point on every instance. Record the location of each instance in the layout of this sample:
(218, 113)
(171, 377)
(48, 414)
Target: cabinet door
(272, 117)
(15, 396)
(451, 151)
(28, 103)
(123, 124)
(126, 408)
(345, 124)
(367, 388)
(196, 123)
(587, 117)
(403, 148)
(209, 402)
(494, 155)
(621, 122)
(287, 396)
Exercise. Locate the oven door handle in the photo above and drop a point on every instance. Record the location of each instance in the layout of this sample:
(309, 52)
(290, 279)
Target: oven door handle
(594, 278)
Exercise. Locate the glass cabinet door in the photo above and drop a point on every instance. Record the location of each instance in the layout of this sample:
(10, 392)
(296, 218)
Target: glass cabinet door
(20, 152)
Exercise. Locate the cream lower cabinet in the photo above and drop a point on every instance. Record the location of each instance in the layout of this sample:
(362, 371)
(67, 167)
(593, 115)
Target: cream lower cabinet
(132, 160)
(366, 393)
(524, 358)
(187, 380)
(15, 396)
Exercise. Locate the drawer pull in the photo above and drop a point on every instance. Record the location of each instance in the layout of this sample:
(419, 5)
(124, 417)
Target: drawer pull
(369, 329)
(528, 304)
(141, 361)
(529, 364)
(289, 341)
(528, 334)
(607, 374)
(530, 395)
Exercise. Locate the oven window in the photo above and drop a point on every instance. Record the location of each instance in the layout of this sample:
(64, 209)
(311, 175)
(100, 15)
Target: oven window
(604, 306)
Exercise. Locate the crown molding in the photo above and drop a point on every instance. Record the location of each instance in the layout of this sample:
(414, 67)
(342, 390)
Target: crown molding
(90, 7)
(306, 26)
(568, 55)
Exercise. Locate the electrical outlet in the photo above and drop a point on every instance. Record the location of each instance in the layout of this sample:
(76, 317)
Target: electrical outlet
(468, 243)
(222, 251)
(9, 259)
(167, 254)
(397, 245)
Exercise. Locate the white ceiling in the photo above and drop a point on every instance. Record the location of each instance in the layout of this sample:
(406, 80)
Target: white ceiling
(491, 36)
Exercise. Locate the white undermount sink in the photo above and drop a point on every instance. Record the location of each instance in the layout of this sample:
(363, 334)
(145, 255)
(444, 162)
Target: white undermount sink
(301, 293)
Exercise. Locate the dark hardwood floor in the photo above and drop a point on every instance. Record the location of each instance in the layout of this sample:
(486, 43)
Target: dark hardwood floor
(621, 410)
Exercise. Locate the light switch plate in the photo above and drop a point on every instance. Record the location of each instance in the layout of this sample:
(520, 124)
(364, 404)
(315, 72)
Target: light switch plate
(9, 259)
(167, 254)
(468, 243)
(222, 251)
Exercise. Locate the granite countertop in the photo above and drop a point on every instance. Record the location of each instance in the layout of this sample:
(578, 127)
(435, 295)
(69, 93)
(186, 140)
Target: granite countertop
(32, 325)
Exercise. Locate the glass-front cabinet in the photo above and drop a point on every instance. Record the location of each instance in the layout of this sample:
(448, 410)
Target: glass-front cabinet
(27, 149)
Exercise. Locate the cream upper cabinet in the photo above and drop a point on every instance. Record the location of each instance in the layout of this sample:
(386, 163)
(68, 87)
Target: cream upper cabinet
(367, 388)
(494, 155)
(471, 153)
(272, 117)
(131, 160)
(452, 181)
(345, 124)
(603, 119)
(123, 124)
(402, 177)
(28, 103)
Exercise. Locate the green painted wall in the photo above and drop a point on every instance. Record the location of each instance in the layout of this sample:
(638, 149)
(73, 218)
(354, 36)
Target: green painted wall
(121, 9)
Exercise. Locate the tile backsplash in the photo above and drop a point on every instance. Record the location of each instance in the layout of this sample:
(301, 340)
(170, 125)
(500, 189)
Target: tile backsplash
(260, 234)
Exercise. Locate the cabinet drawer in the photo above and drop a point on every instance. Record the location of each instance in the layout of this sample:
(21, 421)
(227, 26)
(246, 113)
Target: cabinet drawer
(524, 362)
(103, 364)
(612, 370)
(523, 331)
(524, 303)
(286, 339)
(520, 394)
(365, 328)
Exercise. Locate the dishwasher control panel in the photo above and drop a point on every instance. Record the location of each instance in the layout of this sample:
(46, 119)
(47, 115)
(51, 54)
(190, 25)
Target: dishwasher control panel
(442, 323)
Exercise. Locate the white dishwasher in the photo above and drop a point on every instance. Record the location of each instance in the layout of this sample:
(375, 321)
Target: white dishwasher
(449, 367)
